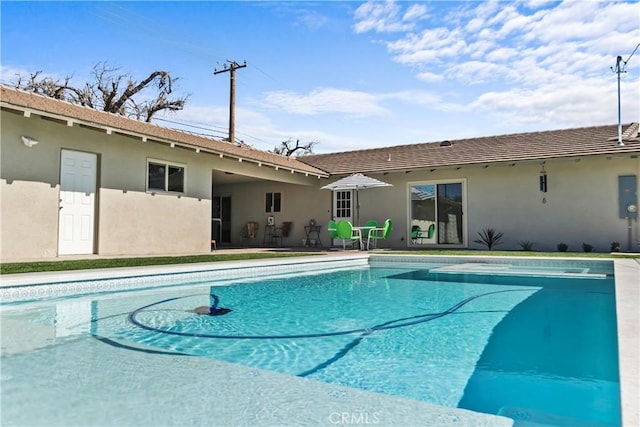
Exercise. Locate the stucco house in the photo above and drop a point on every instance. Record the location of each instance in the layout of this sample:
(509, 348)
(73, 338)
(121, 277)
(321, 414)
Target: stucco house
(74, 180)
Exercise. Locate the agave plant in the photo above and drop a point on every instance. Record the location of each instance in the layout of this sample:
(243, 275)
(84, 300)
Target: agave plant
(489, 237)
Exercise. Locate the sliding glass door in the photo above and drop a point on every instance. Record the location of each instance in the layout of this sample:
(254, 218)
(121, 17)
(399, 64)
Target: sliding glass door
(436, 213)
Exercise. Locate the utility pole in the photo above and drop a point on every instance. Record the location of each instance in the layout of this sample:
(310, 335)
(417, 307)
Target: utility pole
(233, 66)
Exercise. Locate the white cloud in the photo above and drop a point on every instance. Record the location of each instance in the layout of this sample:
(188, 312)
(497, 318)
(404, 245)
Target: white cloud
(344, 102)
(545, 61)
(565, 105)
(412, 97)
(325, 101)
(431, 45)
(501, 54)
(311, 19)
(429, 77)
(478, 72)
(415, 12)
(386, 16)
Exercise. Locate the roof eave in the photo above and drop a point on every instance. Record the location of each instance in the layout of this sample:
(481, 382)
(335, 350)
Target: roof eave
(109, 130)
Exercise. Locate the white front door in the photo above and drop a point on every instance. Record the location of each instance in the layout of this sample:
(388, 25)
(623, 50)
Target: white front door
(343, 209)
(77, 202)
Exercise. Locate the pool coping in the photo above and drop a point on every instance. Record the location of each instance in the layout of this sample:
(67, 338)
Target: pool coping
(627, 291)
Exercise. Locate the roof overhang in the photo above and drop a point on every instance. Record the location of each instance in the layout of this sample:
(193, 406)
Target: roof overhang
(111, 130)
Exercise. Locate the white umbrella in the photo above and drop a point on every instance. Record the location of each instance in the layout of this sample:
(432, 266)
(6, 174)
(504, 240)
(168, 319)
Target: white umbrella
(357, 181)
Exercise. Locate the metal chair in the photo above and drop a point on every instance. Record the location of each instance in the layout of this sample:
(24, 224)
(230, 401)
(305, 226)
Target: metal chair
(381, 233)
(281, 232)
(345, 232)
(250, 231)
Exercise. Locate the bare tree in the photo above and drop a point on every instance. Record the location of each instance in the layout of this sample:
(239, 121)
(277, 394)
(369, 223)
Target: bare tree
(111, 91)
(286, 147)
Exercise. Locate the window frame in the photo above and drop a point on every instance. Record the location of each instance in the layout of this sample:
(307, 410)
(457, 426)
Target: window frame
(436, 184)
(273, 200)
(167, 166)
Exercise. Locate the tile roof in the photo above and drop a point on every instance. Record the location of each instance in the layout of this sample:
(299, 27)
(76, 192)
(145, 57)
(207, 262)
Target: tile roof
(588, 141)
(11, 98)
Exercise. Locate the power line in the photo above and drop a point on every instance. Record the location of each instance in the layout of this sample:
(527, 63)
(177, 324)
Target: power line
(192, 124)
(211, 128)
(634, 51)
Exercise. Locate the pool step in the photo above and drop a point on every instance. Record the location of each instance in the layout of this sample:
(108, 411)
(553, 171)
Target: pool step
(513, 270)
(525, 417)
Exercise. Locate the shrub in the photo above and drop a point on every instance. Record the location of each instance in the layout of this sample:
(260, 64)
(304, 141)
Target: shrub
(489, 237)
(562, 247)
(526, 245)
(615, 246)
(587, 247)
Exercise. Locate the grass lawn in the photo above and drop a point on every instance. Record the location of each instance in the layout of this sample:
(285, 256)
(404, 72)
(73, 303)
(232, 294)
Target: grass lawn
(86, 264)
(43, 266)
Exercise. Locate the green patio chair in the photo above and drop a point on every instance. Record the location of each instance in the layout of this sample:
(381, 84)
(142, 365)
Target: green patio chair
(332, 229)
(416, 234)
(333, 232)
(431, 231)
(346, 233)
(367, 226)
(381, 233)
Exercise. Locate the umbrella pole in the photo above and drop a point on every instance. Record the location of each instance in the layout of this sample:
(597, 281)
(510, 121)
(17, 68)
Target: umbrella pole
(357, 208)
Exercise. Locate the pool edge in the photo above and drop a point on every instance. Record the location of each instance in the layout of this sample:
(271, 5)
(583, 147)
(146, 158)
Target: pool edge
(627, 279)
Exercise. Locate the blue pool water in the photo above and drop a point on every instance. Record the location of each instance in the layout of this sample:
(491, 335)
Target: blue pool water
(529, 344)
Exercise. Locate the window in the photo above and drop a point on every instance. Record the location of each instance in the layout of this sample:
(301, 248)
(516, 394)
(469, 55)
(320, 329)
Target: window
(273, 202)
(165, 177)
(437, 213)
(343, 204)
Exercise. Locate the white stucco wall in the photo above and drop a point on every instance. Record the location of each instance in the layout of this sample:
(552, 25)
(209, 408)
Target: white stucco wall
(128, 220)
(580, 205)
(28, 220)
(140, 223)
(300, 203)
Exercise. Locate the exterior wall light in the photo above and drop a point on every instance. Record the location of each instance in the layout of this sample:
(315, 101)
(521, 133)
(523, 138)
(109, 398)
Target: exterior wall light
(543, 180)
(29, 142)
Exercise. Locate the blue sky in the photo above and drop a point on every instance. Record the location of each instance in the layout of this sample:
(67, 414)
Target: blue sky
(350, 75)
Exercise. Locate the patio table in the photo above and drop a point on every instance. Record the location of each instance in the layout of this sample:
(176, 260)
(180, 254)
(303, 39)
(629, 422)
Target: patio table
(364, 234)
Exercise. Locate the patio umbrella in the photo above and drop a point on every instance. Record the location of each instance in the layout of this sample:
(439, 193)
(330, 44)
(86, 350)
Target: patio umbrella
(357, 182)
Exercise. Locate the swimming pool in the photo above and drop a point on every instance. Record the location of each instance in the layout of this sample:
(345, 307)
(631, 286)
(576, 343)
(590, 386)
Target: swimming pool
(479, 338)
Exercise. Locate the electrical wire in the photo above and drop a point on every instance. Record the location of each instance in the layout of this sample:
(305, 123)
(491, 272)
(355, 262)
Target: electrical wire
(634, 51)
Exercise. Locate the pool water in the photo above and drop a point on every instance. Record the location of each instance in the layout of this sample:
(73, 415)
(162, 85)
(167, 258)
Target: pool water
(531, 346)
